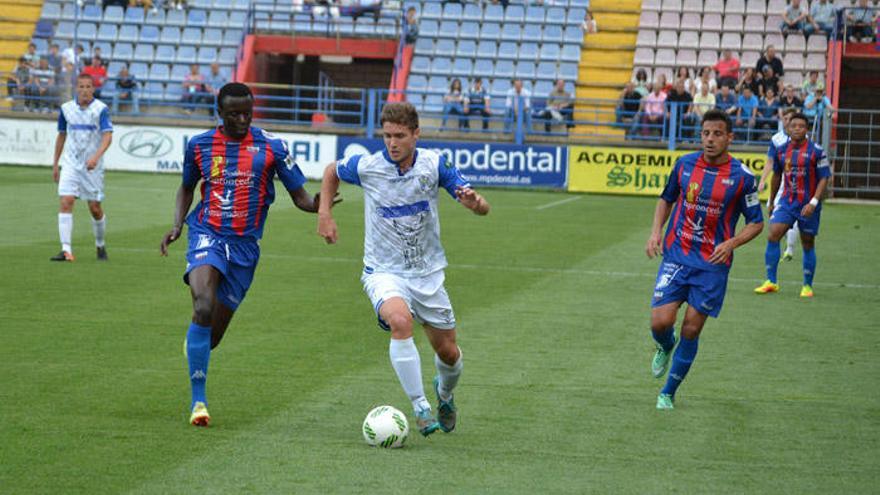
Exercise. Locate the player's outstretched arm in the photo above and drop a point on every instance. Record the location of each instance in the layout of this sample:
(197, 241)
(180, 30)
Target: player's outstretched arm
(472, 200)
(59, 147)
(329, 190)
(724, 250)
(182, 203)
(661, 214)
(305, 202)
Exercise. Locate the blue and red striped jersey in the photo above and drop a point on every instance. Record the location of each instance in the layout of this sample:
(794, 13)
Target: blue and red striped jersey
(237, 180)
(803, 164)
(708, 202)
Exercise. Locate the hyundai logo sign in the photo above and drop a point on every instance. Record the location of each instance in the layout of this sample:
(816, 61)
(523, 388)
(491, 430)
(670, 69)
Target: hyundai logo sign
(145, 144)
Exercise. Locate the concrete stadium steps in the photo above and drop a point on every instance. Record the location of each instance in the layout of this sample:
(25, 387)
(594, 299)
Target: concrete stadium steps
(606, 63)
(17, 21)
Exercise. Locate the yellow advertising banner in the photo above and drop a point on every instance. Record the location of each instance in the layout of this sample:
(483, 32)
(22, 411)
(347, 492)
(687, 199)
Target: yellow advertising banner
(634, 170)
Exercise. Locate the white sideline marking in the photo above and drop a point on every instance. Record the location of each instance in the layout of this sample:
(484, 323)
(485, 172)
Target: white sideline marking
(557, 203)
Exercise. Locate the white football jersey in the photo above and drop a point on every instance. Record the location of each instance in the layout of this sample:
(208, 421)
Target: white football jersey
(402, 223)
(84, 128)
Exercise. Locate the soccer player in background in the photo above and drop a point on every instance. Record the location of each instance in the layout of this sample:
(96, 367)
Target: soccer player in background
(777, 141)
(236, 164)
(706, 193)
(84, 134)
(403, 259)
(806, 173)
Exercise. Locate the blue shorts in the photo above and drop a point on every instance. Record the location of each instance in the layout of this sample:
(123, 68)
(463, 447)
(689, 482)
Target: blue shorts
(702, 289)
(236, 261)
(784, 212)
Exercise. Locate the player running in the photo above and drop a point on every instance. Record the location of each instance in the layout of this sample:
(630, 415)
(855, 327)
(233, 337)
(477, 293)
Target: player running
(779, 140)
(806, 172)
(403, 258)
(236, 164)
(706, 193)
(84, 134)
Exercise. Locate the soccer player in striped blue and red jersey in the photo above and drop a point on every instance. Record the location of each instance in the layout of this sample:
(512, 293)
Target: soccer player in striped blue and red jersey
(236, 164)
(803, 166)
(706, 194)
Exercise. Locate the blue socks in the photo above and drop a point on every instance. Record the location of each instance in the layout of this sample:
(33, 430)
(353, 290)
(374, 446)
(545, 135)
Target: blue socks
(809, 266)
(681, 361)
(771, 260)
(666, 338)
(198, 352)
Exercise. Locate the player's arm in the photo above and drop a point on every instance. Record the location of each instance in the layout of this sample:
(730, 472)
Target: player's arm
(472, 200)
(329, 190)
(823, 169)
(106, 139)
(768, 166)
(661, 215)
(184, 199)
(775, 182)
(59, 144)
(308, 203)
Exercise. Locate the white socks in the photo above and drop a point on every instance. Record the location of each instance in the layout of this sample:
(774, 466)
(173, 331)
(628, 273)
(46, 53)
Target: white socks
(408, 366)
(791, 238)
(448, 376)
(65, 230)
(98, 229)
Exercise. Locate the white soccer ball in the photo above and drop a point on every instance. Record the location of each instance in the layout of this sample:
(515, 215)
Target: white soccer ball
(385, 427)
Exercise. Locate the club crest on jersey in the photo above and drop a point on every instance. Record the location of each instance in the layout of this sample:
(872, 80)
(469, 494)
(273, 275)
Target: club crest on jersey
(216, 163)
(788, 165)
(253, 149)
(693, 192)
(424, 183)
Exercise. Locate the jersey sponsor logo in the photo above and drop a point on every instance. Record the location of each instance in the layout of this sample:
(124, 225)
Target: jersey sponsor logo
(693, 192)
(253, 149)
(695, 230)
(728, 182)
(225, 200)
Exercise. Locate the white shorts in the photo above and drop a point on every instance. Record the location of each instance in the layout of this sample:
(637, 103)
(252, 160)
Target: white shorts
(82, 183)
(426, 297)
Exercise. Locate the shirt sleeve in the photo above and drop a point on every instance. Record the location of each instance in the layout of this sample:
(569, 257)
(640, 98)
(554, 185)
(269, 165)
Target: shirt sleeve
(823, 167)
(749, 204)
(62, 121)
(191, 171)
(105, 124)
(450, 177)
(288, 171)
(347, 170)
(777, 163)
(672, 190)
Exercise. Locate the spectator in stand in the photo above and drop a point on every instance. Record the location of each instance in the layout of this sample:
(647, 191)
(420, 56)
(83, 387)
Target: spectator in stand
(74, 56)
(726, 100)
(811, 84)
(641, 83)
(43, 87)
(860, 23)
(703, 101)
(769, 112)
(32, 58)
(706, 79)
(685, 74)
(747, 111)
(589, 25)
(322, 7)
(653, 109)
(126, 91)
(817, 104)
(560, 106)
(518, 97)
(145, 4)
(627, 105)
(214, 82)
(794, 18)
(749, 79)
(18, 80)
(822, 18)
(453, 103)
(412, 26)
(96, 54)
(790, 100)
(193, 89)
(67, 81)
(770, 80)
(727, 69)
(665, 86)
(476, 101)
(770, 58)
(679, 98)
(54, 58)
(98, 73)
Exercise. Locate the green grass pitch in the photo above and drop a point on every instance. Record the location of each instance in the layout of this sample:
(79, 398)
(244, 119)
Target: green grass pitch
(552, 300)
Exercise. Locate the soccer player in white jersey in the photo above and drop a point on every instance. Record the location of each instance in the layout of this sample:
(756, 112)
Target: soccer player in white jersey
(778, 141)
(403, 258)
(84, 134)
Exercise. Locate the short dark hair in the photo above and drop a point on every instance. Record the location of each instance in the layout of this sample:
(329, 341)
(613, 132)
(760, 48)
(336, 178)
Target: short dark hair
(235, 90)
(718, 115)
(801, 116)
(83, 75)
(401, 113)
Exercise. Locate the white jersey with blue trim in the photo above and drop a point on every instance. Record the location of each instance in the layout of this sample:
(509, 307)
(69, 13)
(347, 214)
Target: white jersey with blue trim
(778, 141)
(402, 223)
(85, 128)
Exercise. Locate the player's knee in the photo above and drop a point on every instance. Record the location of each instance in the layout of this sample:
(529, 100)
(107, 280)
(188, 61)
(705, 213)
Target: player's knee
(400, 323)
(661, 322)
(690, 331)
(808, 243)
(447, 351)
(203, 308)
(96, 211)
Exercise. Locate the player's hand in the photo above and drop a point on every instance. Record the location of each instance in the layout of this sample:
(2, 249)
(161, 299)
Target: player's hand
(807, 210)
(92, 162)
(653, 249)
(327, 228)
(761, 185)
(468, 197)
(722, 252)
(56, 174)
(170, 237)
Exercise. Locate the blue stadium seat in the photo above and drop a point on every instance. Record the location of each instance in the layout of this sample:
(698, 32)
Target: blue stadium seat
(546, 70)
(528, 51)
(525, 69)
(448, 29)
(514, 14)
(165, 54)
(213, 37)
(170, 35)
(302, 24)
(218, 19)
(428, 29)
(433, 103)
(114, 67)
(491, 31)
(417, 83)
(199, 4)
(149, 34)
(108, 32)
(173, 91)
(123, 52)
(466, 49)
(472, 12)
(106, 48)
(441, 65)
(42, 46)
(452, 11)
(114, 14)
(156, 18)
(469, 30)
(186, 54)
(197, 18)
(504, 69)
(483, 68)
(134, 15)
(153, 91)
(579, 3)
(139, 70)
(487, 49)
(179, 72)
(437, 84)
(493, 13)
(68, 11)
(175, 18)
(227, 56)
(232, 37)
(552, 34)
(420, 65)
(91, 13)
(143, 53)
(191, 36)
(512, 32)
(508, 50)
(444, 48)
(424, 46)
(535, 14)
(568, 71)
(207, 55)
(223, 4)
(44, 29)
(570, 53)
(532, 33)
(573, 34)
(129, 33)
(51, 10)
(160, 72)
(86, 31)
(542, 88)
(462, 67)
(575, 17)
(550, 51)
(364, 26)
(241, 4)
(431, 10)
(556, 15)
